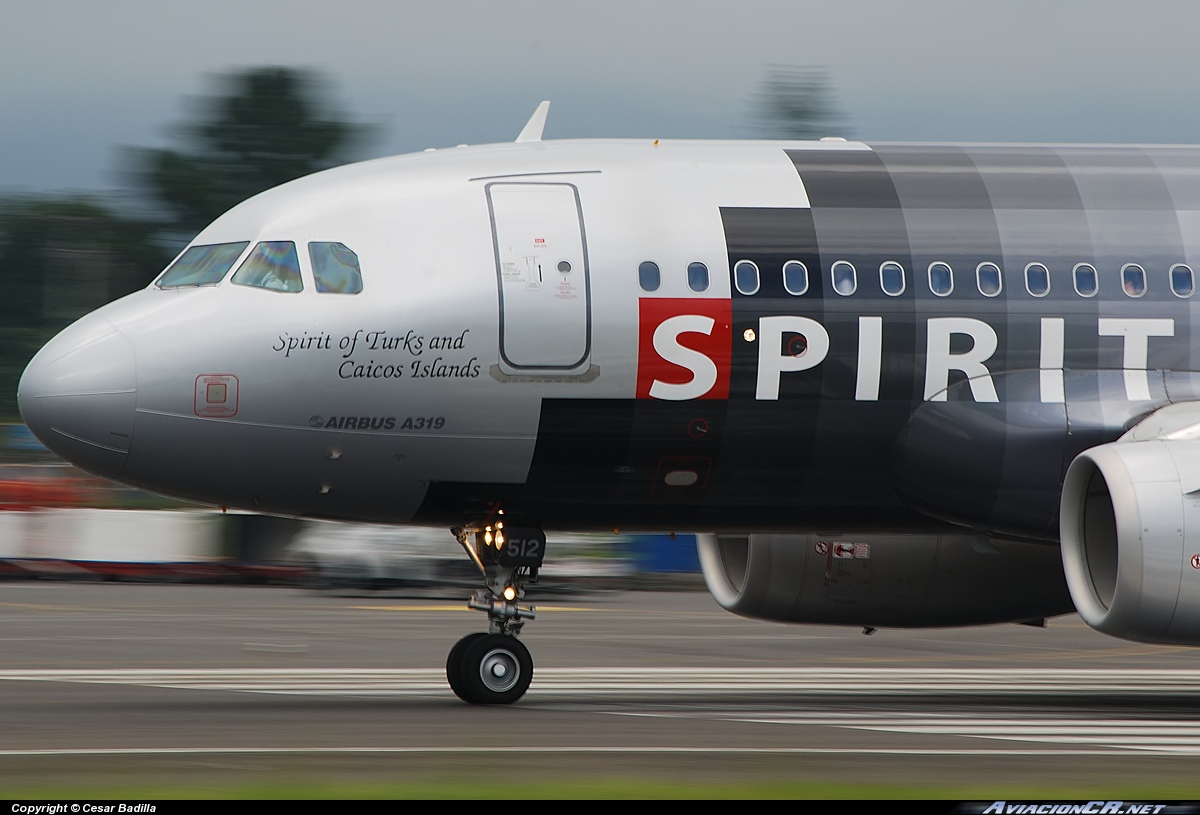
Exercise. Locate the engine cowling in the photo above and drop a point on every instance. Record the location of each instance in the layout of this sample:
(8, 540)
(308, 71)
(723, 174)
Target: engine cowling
(1130, 529)
(895, 581)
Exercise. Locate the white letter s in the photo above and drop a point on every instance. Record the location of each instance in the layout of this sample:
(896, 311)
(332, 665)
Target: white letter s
(666, 344)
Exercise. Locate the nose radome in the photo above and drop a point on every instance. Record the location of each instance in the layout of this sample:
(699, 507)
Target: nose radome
(78, 395)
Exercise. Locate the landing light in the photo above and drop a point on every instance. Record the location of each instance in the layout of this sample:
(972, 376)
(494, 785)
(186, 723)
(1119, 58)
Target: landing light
(748, 335)
(510, 593)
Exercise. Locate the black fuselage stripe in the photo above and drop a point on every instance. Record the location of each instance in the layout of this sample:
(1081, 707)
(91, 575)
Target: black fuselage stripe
(817, 457)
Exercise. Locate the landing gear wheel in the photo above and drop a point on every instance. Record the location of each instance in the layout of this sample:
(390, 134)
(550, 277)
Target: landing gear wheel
(454, 664)
(494, 669)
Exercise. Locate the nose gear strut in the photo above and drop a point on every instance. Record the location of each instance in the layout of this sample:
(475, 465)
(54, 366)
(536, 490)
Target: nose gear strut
(495, 668)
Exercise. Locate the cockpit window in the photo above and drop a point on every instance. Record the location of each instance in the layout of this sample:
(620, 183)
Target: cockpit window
(202, 265)
(335, 268)
(271, 265)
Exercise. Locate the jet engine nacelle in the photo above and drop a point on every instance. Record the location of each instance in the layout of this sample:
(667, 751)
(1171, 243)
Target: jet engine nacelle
(884, 580)
(1130, 529)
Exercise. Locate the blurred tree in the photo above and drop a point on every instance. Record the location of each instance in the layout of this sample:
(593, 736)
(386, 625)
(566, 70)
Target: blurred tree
(61, 257)
(266, 126)
(797, 102)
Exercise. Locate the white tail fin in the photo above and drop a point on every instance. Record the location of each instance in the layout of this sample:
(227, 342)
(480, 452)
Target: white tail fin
(532, 131)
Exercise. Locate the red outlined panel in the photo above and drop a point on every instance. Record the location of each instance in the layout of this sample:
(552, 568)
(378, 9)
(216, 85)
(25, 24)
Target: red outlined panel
(684, 348)
(216, 395)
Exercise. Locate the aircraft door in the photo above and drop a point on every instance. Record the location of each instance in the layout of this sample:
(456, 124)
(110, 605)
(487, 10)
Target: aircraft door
(542, 275)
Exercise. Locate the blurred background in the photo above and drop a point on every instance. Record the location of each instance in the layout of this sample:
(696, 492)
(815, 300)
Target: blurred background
(127, 126)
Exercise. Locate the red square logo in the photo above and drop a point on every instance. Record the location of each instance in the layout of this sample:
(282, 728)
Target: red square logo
(684, 348)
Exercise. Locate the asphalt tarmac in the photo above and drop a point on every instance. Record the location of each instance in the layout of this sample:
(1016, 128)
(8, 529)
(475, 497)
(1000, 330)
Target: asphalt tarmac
(127, 686)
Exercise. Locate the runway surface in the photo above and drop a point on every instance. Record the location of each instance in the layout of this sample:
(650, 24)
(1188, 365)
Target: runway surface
(204, 686)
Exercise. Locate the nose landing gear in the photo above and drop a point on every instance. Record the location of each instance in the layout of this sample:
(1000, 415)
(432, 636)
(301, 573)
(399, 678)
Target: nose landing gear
(495, 668)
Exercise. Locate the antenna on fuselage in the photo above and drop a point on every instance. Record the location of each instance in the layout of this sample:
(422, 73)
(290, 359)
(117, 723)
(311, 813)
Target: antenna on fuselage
(532, 131)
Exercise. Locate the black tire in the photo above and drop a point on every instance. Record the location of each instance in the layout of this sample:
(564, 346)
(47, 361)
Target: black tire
(454, 664)
(496, 670)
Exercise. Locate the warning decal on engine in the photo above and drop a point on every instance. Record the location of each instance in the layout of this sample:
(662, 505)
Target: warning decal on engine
(843, 550)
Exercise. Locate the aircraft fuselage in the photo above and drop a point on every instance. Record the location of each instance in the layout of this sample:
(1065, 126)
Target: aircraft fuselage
(833, 335)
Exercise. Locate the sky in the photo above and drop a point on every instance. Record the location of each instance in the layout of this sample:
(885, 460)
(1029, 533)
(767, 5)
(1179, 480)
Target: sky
(80, 80)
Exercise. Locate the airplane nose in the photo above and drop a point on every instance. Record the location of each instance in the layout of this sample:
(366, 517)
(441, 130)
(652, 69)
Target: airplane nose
(78, 395)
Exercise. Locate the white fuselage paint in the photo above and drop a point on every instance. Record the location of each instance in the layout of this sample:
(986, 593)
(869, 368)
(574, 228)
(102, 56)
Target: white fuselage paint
(772, 364)
(1137, 334)
(939, 362)
(1050, 366)
(870, 358)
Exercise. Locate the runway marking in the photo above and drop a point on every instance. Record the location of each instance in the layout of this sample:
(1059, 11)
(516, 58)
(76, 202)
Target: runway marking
(1161, 735)
(748, 696)
(1111, 736)
(674, 682)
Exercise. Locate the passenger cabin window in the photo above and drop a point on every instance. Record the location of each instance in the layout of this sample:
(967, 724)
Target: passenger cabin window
(649, 277)
(335, 268)
(1037, 280)
(202, 265)
(1183, 281)
(941, 278)
(845, 278)
(745, 276)
(987, 276)
(795, 278)
(1133, 280)
(697, 276)
(1087, 282)
(271, 265)
(891, 278)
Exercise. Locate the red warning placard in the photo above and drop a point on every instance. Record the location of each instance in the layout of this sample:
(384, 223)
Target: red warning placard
(216, 395)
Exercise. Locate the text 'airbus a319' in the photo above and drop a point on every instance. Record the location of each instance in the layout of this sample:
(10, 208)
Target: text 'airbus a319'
(893, 384)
